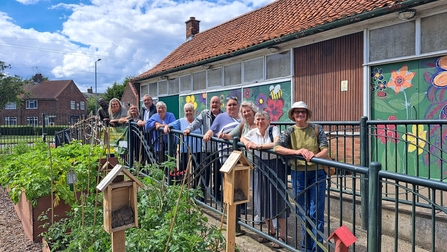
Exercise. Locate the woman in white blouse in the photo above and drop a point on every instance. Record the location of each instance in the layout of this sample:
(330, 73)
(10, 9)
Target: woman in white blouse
(269, 172)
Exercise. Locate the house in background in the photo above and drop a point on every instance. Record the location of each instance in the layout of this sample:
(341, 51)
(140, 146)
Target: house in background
(60, 100)
(131, 95)
(384, 59)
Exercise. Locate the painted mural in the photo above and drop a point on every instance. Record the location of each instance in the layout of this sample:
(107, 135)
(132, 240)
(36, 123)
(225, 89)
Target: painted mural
(411, 90)
(198, 100)
(273, 98)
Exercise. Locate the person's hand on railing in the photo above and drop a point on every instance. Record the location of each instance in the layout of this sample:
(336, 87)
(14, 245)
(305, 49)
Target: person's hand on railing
(208, 136)
(166, 130)
(186, 132)
(308, 155)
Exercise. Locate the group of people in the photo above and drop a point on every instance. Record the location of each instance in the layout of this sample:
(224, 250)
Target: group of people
(252, 126)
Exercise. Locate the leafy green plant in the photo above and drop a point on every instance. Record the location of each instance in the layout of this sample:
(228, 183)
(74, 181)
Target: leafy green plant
(162, 210)
(40, 170)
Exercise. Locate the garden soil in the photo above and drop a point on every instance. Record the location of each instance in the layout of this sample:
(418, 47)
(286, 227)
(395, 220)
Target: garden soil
(12, 236)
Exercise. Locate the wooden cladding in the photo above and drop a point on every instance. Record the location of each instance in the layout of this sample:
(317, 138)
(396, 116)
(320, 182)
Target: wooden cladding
(329, 78)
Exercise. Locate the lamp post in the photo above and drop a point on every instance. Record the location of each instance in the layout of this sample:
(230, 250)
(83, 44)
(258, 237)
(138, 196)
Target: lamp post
(96, 90)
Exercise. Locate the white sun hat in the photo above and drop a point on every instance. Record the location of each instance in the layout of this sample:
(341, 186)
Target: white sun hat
(299, 104)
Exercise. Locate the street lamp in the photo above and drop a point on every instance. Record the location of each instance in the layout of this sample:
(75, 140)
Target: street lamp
(96, 90)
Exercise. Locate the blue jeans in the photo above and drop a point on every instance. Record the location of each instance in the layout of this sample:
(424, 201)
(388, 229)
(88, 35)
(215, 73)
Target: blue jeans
(311, 186)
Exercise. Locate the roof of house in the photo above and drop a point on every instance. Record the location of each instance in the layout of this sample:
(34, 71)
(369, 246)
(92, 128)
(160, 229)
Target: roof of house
(272, 23)
(48, 89)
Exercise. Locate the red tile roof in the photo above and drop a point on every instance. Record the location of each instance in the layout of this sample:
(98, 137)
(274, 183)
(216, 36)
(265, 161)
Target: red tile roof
(271, 23)
(47, 89)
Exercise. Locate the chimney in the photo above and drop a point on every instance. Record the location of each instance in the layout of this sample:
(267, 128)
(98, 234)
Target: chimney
(192, 27)
(90, 90)
(37, 78)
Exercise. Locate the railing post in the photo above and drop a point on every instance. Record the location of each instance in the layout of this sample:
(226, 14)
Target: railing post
(235, 142)
(130, 143)
(44, 130)
(374, 220)
(170, 143)
(364, 162)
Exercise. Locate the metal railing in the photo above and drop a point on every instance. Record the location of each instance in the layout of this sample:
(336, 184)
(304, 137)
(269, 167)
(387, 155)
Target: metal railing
(380, 197)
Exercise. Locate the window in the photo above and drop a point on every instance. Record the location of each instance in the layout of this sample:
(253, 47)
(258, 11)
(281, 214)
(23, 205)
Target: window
(393, 41)
(31, 104)
(50, 120)
(73, 105)
(432, 39)
(173, 86)
(32, 121)
(144, 89)
(253, 70)
(163, 87)
(186, 83)
(11, 105)
(232, 74)
(82, 105)
(199, 80)
(152, 89)
(11, 121)
(215, 77)
(278, 65)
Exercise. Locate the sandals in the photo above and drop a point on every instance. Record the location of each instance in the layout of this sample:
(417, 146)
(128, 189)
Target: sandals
(276, 245)
(262, 239)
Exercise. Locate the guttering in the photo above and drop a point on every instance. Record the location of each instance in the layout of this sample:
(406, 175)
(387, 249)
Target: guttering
(300, 34)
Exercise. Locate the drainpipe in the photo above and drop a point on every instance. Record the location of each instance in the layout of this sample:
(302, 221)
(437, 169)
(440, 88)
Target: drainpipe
(296, 35)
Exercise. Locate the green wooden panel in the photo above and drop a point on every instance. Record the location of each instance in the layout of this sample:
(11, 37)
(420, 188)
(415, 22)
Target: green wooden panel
(172, 104)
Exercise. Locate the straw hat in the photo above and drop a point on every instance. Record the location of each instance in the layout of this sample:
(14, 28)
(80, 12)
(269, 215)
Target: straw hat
(299, 104)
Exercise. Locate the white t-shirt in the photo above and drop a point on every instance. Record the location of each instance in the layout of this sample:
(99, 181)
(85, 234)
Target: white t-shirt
(255, 136)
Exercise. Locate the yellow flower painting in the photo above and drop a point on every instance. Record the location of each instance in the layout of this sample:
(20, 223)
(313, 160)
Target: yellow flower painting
(416, 138)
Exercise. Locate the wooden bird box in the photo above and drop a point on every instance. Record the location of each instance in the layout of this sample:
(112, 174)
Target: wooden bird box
(120, 200)
(237, 178)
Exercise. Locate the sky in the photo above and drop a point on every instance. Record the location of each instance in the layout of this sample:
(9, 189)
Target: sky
(63, 39)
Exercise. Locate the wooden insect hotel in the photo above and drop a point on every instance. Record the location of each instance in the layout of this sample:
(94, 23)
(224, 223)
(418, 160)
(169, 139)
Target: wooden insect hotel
(236, 179)
(120, 204)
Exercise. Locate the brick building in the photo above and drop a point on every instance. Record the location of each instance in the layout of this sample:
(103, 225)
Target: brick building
(61, 101)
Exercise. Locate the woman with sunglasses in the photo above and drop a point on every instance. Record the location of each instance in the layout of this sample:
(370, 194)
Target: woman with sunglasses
(223, 123)
(308, 182)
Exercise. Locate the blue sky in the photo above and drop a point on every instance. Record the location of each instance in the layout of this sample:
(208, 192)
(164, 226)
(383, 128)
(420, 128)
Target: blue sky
(63, 39)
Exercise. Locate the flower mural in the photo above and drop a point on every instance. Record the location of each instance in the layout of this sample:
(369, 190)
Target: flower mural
(377, 82)
(401, 79)
(261, 101)
(247, 93)
(274, 108)
(416, 138)
(203, 98)
(387, 132)
(437, 95)
(191, 99)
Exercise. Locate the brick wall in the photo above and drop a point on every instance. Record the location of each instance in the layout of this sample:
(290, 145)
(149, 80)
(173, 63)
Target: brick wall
(345, 149)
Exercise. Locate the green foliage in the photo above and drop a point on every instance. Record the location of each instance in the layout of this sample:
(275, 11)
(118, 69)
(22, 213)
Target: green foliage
(158, 204)
(11, 90)
(33, 170)
(92, 103)
(116, 90)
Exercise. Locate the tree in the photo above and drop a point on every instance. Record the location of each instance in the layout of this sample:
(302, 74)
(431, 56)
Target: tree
(116, 90)
(12, 88)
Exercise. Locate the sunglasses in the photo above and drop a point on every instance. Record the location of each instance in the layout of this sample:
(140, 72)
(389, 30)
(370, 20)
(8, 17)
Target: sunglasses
(300, 112)
(232, 98)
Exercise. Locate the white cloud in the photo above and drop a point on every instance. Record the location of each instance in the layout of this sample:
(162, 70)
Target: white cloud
(26, 2)
(130, 36)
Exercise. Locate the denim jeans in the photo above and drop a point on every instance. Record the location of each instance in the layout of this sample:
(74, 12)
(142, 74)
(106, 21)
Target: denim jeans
(311, 188)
